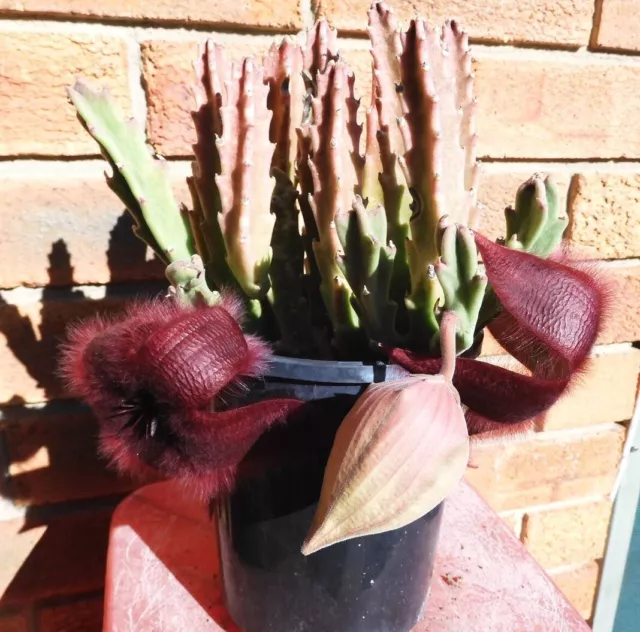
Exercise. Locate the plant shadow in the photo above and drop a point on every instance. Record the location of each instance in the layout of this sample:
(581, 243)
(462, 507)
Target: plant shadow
(49, 462)
(159, 524)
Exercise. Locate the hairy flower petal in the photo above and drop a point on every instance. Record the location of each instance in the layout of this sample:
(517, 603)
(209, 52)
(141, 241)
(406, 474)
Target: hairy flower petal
(553, 311)
(398, 453)
(151, 376)
(194, 355)
(490, 391)
(200, 448)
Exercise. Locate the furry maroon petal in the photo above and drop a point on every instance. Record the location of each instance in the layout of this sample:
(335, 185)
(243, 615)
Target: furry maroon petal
(152, 376)
(192, 357)
(491, 391)
(553, 311)
(482, 428)
(200, 448)
(97, 359)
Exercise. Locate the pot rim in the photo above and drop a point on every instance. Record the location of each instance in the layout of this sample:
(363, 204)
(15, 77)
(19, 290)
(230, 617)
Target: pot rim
(332, 371)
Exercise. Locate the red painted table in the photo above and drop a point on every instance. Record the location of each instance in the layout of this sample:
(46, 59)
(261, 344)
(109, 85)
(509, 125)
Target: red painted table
(163, 572)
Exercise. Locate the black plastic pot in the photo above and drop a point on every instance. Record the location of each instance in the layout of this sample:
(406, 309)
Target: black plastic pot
(376, 583)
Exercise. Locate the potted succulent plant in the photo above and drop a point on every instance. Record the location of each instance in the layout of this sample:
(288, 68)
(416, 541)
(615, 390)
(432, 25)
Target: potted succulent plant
(314, 367)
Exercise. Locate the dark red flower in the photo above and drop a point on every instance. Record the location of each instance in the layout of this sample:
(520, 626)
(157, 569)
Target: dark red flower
(552, 311)
(151, 377)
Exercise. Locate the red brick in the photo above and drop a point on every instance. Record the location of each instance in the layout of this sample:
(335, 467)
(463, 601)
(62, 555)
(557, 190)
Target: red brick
(566, 22)
(619, 25)
(604, 215)
(35, 114)
(64, 556)
(14, 622)
(606, 393)
(580, 586)
(83, 234)
(78, 616)
(533, 106)
(168, 73)
(54, 458)
(169, 76)
(31, 334)
(624, 322)
(254, 13)
(570, 535)
(529, 106)
(547, 467)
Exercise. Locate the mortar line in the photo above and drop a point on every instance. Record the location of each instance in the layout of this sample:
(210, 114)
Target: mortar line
(166, 29)
(556, 506)
(594, 160)
(119, 26)
(29, 295)
(565, 165)
(136, 78)
(568, 568)
(61, 169)
(72, 166)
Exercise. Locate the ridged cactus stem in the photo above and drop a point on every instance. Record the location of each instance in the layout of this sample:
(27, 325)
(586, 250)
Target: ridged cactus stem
(211, 72)
(369, 269)
(387, 108)
(537, 222)
(189, 284)
(462, 286)
(284, 66)
(245, 189)
(287, 91)
(287, 295)
(421, 133)
(334, 164)
(140, 179)
(437, 128)
(321, 47)
(535, 225)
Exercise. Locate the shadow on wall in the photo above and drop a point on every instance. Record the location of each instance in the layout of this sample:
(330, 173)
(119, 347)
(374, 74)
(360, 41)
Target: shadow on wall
(52, 446)
(48, 451)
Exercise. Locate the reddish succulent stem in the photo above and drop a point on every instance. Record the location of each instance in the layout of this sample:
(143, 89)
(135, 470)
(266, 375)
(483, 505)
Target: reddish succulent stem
(448, 327)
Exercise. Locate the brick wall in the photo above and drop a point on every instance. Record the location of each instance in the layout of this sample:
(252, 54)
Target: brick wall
(559, 89)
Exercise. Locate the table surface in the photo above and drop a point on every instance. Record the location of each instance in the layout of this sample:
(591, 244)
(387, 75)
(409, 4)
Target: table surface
(163, 572)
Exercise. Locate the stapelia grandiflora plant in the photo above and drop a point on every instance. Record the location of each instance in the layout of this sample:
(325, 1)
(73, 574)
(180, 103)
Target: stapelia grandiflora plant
(152, 375)
(344, 231)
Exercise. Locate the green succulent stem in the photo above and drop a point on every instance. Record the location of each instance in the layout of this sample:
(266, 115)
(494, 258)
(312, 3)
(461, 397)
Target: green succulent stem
(139, 179)
(189, 283)
(537, 222)
(462, 286)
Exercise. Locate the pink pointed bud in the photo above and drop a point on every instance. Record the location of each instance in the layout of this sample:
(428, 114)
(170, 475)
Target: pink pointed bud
(398, 453)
